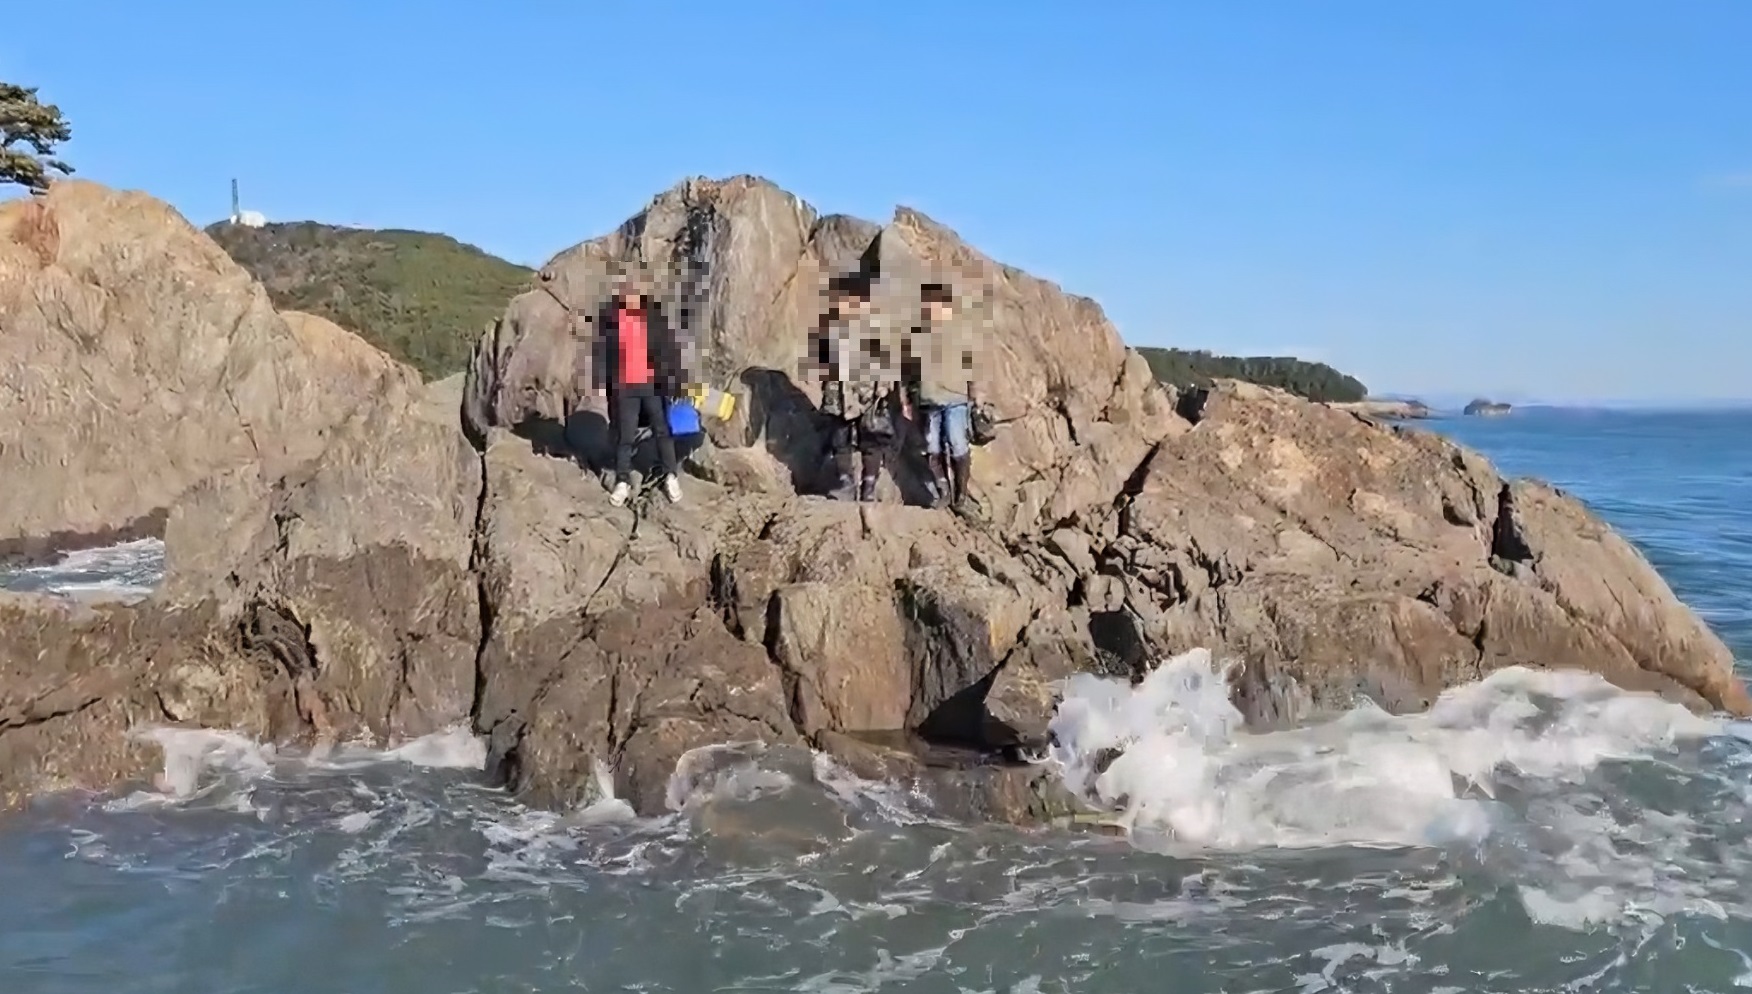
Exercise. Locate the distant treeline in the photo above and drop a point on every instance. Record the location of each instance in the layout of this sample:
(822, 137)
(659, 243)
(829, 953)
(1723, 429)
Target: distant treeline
(1314, 380)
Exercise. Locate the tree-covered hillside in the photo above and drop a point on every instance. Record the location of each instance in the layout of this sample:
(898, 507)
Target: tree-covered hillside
(1313, 380)
(423, 298)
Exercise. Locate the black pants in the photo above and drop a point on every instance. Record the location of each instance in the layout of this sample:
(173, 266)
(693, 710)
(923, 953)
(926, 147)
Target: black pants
(628, 403)
(845, 437)
(874, 450)
(841, 437)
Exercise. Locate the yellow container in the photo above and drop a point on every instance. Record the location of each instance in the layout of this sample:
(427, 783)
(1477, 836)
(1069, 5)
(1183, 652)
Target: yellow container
(712, 402)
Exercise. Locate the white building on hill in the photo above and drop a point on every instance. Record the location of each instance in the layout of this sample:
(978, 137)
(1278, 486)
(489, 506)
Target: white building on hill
(249, 219)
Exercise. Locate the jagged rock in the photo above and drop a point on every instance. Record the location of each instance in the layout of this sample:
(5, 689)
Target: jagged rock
(1338, 557)
(76, 680)
(748, 264)
(138, 360)
(448, 559)
(1330, 555)
(368, 550)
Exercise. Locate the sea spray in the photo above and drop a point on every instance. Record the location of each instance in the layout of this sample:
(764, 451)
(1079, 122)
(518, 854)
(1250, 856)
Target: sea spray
(200, 764)
(451, 749)
(1171, 755)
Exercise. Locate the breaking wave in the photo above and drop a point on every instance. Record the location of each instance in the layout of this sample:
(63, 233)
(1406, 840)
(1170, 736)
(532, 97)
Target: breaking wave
(128, 571)
(1171, 756)
(1531, 831)
(1550, 773)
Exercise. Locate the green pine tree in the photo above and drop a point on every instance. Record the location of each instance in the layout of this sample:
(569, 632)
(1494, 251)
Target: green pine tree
(29, 132)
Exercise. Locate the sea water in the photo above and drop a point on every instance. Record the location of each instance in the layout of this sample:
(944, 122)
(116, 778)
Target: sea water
(1535, 831)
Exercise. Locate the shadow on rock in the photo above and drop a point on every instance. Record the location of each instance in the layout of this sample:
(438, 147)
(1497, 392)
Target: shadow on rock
(793, 429)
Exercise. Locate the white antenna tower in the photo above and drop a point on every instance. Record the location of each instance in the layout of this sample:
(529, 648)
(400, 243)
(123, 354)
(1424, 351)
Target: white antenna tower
(249, 219)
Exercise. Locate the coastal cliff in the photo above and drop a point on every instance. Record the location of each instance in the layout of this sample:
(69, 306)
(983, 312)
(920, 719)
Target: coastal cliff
(355, 554)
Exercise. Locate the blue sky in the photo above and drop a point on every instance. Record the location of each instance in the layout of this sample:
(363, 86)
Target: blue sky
(1547, 199)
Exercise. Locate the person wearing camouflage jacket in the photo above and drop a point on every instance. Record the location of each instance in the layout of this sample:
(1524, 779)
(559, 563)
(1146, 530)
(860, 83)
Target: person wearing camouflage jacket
(860, 375)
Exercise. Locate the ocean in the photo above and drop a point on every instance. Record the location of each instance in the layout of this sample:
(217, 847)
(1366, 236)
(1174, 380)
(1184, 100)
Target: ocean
(1534, 832)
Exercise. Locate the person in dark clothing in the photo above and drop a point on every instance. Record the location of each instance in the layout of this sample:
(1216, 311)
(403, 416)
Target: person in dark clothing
(850, 354)
(638, 364)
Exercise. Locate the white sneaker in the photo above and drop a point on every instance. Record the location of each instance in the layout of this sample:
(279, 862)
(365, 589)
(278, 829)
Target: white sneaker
(618, 496)
(672, 488)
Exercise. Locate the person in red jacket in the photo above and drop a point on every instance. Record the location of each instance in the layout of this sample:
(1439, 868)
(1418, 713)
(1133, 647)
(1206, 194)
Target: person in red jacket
(638, 364)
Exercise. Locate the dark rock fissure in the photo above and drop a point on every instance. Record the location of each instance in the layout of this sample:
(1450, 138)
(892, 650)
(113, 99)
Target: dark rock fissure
(1061, 404)
(505, 750)
(723, 597)
(164, 710)
(1118, 644)
(1506, 542)
(952, 663)
(790, 681)
(483, 597)
(964, 720)
(1190, 405)
(28, 718)
(619, 556)
(1481, 508)
(274, 631)
(1135, 480)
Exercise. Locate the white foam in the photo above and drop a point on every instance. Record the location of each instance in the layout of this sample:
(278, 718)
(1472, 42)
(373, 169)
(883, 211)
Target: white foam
(200, 762)
(1189, 771)
(722, 772)
(451, 749)
(605, 808)
(353, 824)
(189, 753)
(1388, 959)
(893, 803)
(127, 571)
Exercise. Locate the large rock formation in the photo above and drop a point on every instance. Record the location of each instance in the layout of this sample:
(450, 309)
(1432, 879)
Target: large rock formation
(447, 560)
(749, 263)
(136, 360)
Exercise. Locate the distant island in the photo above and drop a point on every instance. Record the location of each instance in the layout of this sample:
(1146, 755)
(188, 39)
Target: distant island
(421, 297)
(1487, 408)
(1315, 381)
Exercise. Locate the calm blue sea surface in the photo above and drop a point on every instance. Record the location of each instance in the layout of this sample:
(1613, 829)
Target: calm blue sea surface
(1535, 832)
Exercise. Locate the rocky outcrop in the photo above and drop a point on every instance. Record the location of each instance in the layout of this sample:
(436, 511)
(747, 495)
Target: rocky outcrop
(366, 552)
(749, 263)
(77, 680)
(137, 359)
(1486, 408)
(1393, 410)
(447, 560)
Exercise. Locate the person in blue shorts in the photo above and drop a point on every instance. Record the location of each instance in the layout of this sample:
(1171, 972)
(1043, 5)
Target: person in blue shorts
(943, 351)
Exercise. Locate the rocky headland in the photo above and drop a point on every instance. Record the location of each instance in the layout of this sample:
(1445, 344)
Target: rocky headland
(355, 554)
